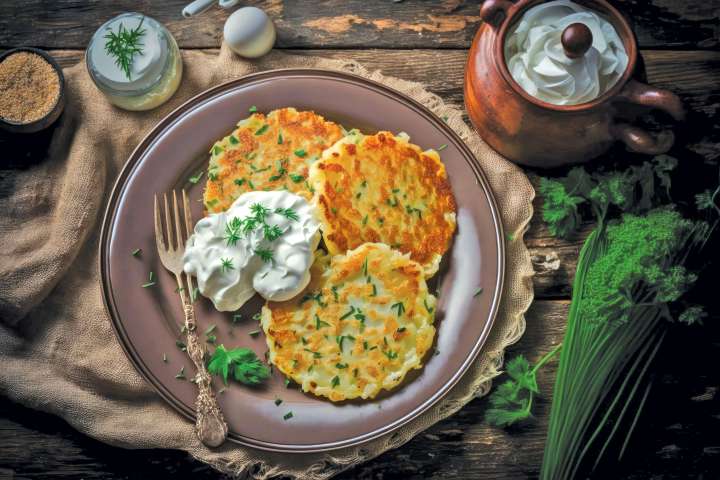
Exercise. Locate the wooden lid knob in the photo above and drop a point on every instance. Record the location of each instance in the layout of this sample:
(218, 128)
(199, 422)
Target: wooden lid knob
(576, 40)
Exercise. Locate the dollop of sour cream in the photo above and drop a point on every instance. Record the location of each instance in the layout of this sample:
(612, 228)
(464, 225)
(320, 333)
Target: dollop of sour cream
(537, 61)
(263, 243)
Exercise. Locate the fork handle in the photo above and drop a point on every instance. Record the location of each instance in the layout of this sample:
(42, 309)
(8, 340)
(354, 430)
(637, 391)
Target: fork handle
(210, 425)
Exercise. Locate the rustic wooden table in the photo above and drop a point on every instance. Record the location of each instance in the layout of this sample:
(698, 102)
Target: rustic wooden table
(426, 41)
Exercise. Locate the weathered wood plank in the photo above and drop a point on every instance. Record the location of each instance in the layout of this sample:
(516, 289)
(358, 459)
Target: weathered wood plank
(338, 23)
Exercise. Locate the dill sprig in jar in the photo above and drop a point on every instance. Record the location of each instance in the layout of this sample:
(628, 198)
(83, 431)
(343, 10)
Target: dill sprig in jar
(134, 61)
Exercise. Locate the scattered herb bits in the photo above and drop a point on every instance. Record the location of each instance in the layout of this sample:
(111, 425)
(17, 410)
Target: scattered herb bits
(278, 401)
(288, 416)
(137, 252)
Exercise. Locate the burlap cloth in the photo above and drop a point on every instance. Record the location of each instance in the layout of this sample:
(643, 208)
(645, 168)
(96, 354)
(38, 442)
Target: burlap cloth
(57, 349)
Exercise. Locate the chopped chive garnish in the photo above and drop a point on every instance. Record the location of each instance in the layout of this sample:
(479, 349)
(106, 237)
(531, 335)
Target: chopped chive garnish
(239, 181)
(212, 339)
(391, 355)
(400, 308)
(236, 318)
(296, 177)
(196, 178)
(165, 357)
(341, 365)
(280, 139)
(287, 383)
(374, 293)
(136, 252)
(194, 294)
(217, 150)
(300, 152)
(319, 323)
(401, 329)
(288, 416)
(355, 372)
(442, 147)
(233, 140)
(365, 267)
(254, 333)
(252, 109)
(315, 354)
(350, 312)
(278, 401)
(365, 345)
(364, 220)
(148, 284)
(181, 374)
(427, 307)
(210, 330)
(335, 381)
(304, 342)
(478, 292)
(256, 317)
(364, 183)
(181, 345)
(262, 129)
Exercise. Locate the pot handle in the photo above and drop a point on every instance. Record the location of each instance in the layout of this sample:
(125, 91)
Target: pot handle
(637, 139)
(493, 12)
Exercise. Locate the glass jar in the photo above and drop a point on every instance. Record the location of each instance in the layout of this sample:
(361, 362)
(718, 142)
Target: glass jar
(151, 77)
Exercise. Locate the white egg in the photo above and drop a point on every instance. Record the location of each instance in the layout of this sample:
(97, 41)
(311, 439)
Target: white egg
(249, 32)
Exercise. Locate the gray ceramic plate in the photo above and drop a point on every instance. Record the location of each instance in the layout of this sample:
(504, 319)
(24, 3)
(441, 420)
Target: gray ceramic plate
(146, 319)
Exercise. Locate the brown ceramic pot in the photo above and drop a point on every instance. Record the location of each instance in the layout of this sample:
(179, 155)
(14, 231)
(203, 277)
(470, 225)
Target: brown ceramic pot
(532, 132)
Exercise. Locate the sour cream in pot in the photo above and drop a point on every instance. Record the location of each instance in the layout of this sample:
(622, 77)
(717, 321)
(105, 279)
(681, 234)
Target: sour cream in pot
(263, 243)
(537, 61)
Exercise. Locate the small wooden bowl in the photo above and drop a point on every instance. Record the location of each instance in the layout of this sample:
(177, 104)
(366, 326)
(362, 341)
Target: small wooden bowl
(54, 113)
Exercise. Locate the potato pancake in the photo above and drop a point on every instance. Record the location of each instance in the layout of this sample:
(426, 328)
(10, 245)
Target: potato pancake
(267, 152)
(381, 188)
(363, 322)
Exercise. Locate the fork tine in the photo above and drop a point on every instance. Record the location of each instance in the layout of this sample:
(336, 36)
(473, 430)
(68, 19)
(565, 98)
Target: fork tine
(170, 237)
(159, 238)
(179, 230)
(188, 215)
(188, 231)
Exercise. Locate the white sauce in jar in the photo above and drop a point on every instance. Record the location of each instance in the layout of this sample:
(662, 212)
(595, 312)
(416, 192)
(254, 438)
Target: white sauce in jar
(264, 243)
(538, 63)
(154, 72)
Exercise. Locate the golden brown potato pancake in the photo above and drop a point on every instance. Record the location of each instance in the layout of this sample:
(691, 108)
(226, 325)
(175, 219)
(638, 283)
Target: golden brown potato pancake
(381, 188)
(267, 152)
(363, 322)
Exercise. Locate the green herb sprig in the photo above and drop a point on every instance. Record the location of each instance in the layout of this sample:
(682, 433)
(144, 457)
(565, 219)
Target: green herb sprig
(242, 363)
(123, 45)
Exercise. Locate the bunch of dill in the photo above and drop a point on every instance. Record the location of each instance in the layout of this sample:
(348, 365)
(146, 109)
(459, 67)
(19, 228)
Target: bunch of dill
(630, 277)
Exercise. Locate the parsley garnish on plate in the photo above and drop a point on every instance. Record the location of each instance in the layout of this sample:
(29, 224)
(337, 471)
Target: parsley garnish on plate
(242, 363)
(262, 129)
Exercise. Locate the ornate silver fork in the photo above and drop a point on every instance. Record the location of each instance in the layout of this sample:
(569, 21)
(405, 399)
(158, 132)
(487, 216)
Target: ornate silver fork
(210, 425)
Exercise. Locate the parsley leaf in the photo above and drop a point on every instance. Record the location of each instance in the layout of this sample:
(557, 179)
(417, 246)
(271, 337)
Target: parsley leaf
(241, 362)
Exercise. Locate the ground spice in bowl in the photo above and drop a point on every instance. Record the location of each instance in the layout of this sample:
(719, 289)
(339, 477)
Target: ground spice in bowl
(29, 87)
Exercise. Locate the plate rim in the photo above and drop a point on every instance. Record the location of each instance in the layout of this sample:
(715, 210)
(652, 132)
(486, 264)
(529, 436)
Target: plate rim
(197, 100)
